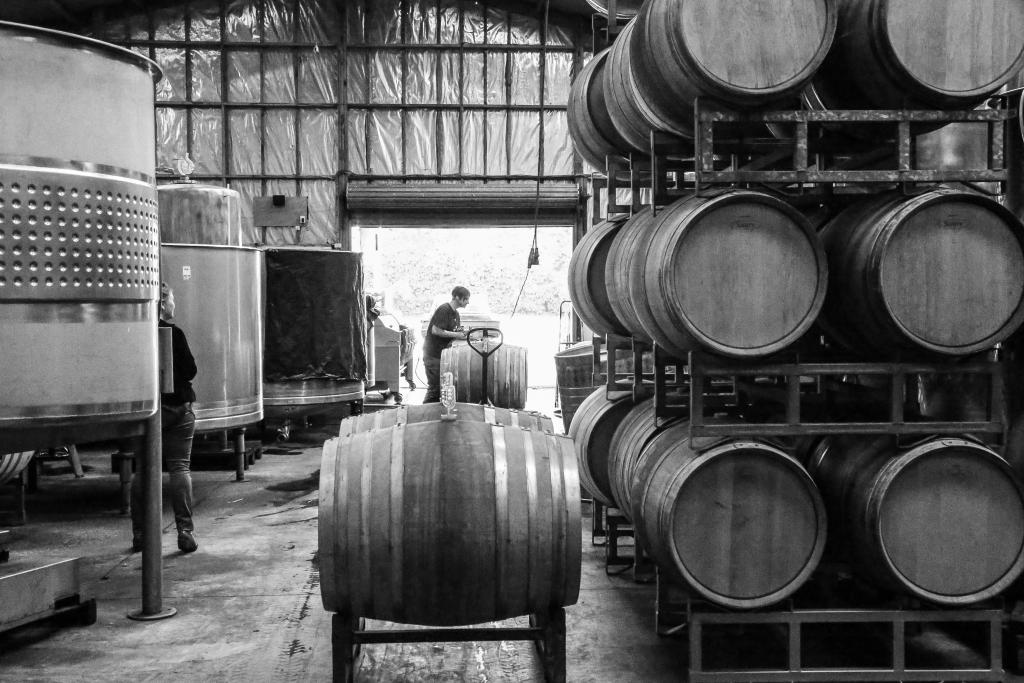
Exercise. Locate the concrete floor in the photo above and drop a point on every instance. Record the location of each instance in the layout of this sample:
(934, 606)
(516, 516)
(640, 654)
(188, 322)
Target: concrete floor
(249, 600)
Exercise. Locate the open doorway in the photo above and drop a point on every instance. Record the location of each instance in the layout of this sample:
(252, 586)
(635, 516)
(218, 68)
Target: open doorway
(414, 269)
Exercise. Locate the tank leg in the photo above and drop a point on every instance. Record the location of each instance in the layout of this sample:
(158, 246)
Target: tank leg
(344, 650)
(551, 646)
(240, 463)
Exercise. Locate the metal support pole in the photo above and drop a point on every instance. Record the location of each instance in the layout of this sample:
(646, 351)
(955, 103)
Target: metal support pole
(152, 496)
(149, 462)
(240, 455)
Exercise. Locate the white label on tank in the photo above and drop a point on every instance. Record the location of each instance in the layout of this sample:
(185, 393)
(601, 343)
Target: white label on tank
(186, 272)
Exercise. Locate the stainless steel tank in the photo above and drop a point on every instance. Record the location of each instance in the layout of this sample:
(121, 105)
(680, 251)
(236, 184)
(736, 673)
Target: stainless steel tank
(219, 306)
(315, 355)
(79, 245)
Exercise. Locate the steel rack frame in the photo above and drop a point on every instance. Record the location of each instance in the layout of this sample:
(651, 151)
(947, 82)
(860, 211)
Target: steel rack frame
(598, 531)
(812, 161)
(791, 397)
(820, 166)
(619, 527)
(637, 385)
(678, 612)
(546, 630)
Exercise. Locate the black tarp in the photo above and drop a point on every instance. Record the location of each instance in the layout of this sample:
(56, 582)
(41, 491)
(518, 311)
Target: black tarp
(315, 316)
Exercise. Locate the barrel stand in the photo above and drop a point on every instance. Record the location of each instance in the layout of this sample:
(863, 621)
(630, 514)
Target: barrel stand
(806, 629)
(618, 527)
(546, 630)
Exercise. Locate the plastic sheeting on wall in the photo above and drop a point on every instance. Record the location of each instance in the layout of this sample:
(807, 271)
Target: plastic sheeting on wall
(477, 142)
(282, 135)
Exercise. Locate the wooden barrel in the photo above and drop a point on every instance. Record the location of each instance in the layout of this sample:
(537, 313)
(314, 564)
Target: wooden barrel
(574, 375)
(12, 464)
(448, 523)
(741, 522)
(592, 430)
(624, 274)
(590, 126)
(747, 54)
(632, 118)
(920, 54)
(942, 520)
(737, 272)
(411, 414)
(942, 271)
(633, 434)
(506, 375)
(587, 284)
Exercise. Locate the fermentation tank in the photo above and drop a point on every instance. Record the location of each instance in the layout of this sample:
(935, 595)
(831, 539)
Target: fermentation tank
(78, 239)
(315, 359)
(219, 306)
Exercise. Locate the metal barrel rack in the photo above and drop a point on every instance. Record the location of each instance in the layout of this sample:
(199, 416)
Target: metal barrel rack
(797, 623)
(800, 393)
(546, 630)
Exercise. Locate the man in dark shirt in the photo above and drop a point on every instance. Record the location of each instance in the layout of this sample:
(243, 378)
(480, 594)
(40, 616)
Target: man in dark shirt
(178, 425)
(444, 326)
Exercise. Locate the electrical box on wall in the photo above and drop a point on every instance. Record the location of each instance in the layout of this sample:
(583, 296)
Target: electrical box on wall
(277, 211)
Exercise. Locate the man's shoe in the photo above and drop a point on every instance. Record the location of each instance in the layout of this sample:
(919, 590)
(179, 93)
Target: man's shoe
(186, 543)
(137, 544)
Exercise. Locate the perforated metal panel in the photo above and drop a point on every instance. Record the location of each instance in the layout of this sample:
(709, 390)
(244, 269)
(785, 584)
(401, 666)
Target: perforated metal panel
(68, 234)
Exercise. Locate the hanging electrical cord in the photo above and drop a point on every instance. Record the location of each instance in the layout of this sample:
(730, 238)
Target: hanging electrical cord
(534, 258)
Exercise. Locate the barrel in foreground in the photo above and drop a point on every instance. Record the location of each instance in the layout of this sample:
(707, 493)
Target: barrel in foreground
(449, 523)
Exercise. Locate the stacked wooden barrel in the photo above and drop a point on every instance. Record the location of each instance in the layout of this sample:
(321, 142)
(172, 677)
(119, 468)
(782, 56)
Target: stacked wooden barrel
(930, 274)
(449, 522)
(737, 53)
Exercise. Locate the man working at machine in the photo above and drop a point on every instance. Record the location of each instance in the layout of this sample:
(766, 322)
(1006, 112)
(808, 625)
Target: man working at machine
(444, 326)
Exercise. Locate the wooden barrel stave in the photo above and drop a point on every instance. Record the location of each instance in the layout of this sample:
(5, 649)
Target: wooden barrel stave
(448, 523)
(942, 520)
